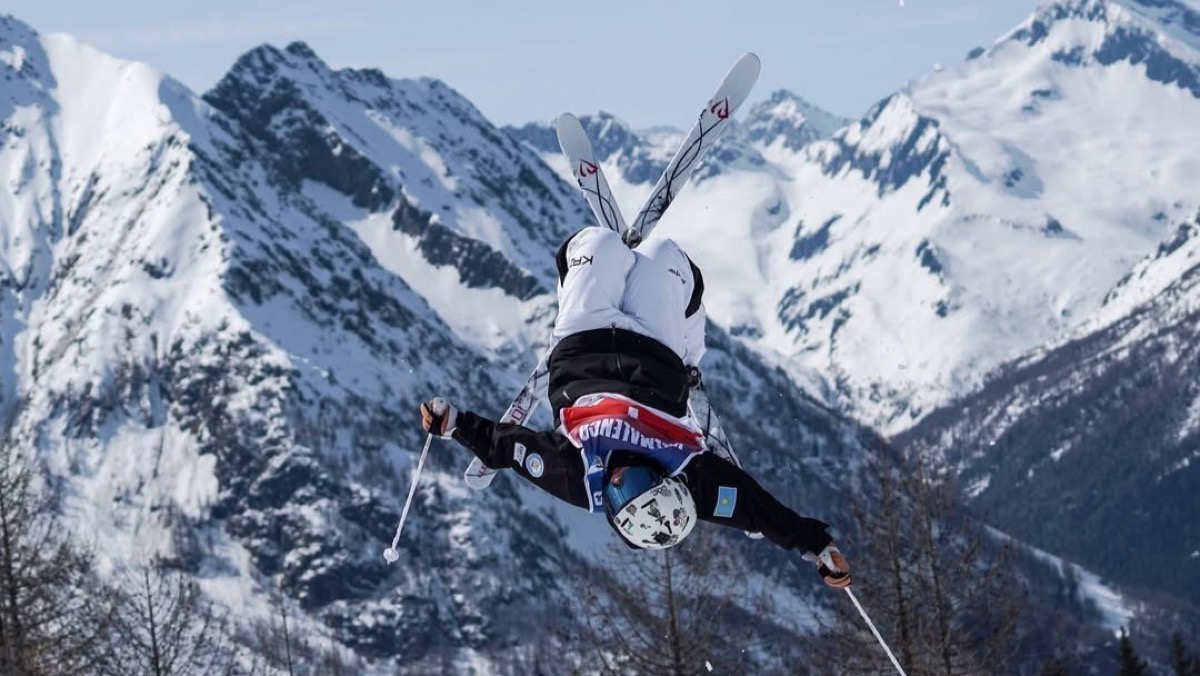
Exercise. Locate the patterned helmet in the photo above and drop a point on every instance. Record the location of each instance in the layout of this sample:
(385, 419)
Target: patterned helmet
(649, 510)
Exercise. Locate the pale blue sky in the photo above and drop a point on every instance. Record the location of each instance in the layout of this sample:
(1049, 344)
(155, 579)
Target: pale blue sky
(647, 61)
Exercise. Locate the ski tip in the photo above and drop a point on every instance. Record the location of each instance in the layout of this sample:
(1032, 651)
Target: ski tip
(565, 119)
(749, 64)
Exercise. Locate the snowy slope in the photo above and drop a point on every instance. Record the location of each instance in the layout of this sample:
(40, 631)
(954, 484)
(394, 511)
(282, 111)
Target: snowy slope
(218, 315)
(984, 212)
(220, 311)
(1087, 446)
(214, 367)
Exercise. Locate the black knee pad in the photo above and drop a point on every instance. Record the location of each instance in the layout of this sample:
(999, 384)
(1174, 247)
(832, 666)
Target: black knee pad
(697, 290)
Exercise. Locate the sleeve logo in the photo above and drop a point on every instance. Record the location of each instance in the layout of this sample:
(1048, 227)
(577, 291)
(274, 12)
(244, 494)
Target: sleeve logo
(535, 465)
(726, 502)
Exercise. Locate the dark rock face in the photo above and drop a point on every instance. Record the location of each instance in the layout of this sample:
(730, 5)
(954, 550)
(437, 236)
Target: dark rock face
(808, 245)
(537, 135)
(478, 264)
(1138, 47)
(920, 152)
(302, 143)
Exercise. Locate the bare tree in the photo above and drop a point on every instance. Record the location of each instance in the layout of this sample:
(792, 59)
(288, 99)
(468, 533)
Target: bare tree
(49, 620)
(1053, 667)
(281, 647)
(164, 626)
(674, 611)
(938, 584)
(272, 639)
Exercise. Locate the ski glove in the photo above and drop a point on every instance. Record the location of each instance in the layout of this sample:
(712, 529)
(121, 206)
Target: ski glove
(438, 417)
(833, 567)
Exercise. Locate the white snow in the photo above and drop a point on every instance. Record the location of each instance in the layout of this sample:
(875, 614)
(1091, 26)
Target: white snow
(1116, 612)
(1062, 181)
(1191, 424)
(978, 486)
(1057, 453)
(485, 316)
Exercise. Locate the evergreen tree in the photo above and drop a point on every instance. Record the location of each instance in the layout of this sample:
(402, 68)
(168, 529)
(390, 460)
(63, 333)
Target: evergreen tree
(942, 591)
(1183, 661)
(1131, 664)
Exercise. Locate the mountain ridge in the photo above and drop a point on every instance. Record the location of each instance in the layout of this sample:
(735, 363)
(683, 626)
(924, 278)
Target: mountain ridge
(221, 342)
(345, 271)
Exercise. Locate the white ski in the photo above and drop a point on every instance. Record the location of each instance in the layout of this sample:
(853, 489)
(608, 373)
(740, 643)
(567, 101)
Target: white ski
(710, 424)
(479, 475)
(714, 119)
(586, 169)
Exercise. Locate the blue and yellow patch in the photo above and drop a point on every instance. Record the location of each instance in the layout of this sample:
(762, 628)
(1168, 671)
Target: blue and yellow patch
(726, 502)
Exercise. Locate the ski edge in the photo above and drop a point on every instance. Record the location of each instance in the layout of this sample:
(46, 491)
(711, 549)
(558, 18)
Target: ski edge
(523, 406)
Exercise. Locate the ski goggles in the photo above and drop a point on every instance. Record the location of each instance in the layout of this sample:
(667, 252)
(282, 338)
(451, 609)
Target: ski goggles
(625, 484)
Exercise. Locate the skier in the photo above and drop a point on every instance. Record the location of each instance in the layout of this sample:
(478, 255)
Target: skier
(630, 332)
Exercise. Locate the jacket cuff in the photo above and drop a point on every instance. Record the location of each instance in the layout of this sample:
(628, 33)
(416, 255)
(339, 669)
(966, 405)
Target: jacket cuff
(475, 432)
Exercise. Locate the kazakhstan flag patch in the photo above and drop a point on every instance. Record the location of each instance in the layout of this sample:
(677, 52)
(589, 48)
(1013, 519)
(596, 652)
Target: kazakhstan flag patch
(726, 502)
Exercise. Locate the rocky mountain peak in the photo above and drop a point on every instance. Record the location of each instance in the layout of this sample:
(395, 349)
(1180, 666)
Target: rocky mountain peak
(412, 147)
(1160, 37)
(790, 120)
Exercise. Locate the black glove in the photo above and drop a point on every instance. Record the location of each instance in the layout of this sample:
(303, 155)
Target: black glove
(833, 567)
(438, 417)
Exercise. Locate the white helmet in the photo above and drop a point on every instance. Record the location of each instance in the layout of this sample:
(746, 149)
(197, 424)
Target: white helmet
(649, 510)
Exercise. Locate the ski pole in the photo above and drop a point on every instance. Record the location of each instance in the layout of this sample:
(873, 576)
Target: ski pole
(875, 631)
(390, 554)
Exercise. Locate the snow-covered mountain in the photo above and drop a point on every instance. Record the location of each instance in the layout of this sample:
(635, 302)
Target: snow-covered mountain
(1089, 442)
(218, 312)
(217, 315)
(788, 120)
(1035, 203)
(1092, 446)
(989, 209)
(217, 368)
(978, 214)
